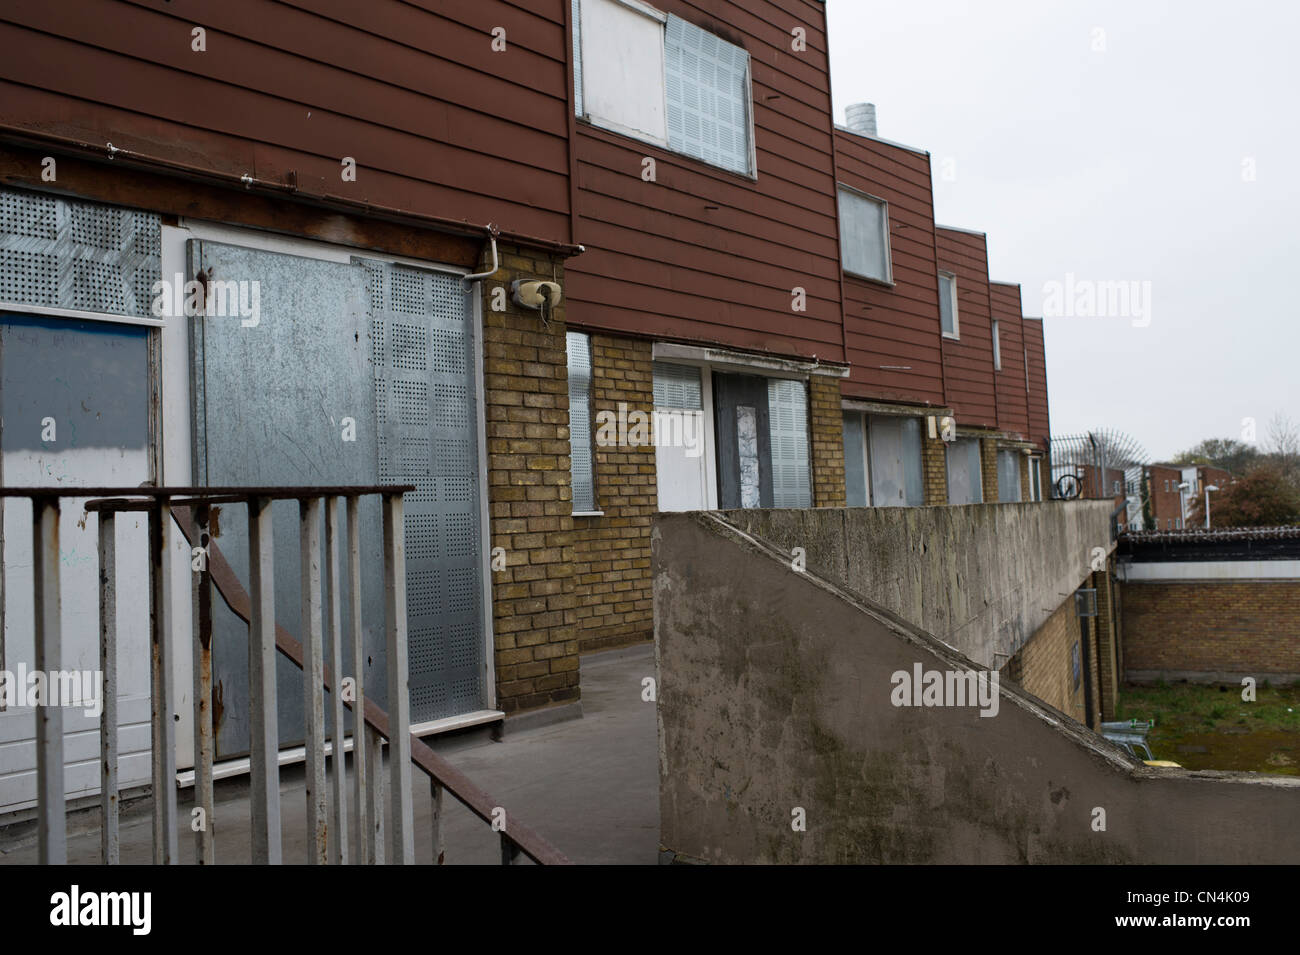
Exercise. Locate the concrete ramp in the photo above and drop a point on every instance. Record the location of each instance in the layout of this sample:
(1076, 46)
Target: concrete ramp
(787, 735)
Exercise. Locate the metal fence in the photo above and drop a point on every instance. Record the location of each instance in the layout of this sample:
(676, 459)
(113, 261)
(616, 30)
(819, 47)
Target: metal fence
(189, 509)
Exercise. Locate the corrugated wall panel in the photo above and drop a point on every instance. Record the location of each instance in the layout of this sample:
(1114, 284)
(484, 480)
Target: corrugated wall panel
(893, 332)
(706, 255)
(437, 122)
(1040, 426)
(1013, 403)
(968, 360)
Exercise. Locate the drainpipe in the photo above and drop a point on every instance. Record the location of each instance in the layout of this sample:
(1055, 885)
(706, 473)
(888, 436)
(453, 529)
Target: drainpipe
(467, 280)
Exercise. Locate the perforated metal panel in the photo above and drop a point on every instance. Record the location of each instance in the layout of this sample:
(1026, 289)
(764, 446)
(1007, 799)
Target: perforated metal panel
(423, 340)
(63, 253)
(708, 96)
(787, 404)
(677, 386)
(580, 450)
(576, 17)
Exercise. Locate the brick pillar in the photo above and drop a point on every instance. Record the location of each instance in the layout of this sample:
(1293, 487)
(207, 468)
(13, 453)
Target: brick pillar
(526, 405)
(934, 465)
(989, 469)
(826, 423)
(1024, 477)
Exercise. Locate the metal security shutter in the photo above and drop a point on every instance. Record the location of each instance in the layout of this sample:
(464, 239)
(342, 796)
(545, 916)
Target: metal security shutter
(855, 460)
(787, 403)
(422, 340)
(581, 461)
(965, 481)
(1008, 476)
(80, 255)
(677, 386)
(575, 15)
(708, 96)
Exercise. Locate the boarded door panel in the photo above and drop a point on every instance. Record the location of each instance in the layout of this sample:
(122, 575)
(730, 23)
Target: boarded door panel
(680, 455)
(270, 402)
(965, 482)
(744, 441)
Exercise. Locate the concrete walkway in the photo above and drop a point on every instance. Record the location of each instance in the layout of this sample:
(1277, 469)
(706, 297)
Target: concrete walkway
(588, 785)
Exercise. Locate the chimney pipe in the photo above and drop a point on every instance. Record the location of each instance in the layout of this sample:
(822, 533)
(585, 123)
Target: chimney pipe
(861, 118)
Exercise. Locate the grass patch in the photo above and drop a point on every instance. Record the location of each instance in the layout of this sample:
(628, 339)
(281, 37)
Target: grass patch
(1211, 727)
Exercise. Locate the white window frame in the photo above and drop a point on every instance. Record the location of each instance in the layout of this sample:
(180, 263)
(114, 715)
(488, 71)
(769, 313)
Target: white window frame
(997, 347)
(884, 226)
(955, 334)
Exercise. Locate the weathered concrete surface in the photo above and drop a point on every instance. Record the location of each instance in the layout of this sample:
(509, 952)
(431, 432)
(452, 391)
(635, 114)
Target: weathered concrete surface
(774, 694)
(982, 577)
(588, 785)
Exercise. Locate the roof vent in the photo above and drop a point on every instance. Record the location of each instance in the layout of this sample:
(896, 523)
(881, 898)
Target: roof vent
(861, 118)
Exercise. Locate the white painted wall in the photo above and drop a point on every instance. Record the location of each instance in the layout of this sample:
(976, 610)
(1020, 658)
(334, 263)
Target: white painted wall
(1210, 570)
(79, 570)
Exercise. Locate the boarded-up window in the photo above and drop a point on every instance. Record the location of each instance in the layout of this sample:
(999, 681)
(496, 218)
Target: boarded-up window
(708, 96)
(582, 461)
(864, 235)
(620, 68)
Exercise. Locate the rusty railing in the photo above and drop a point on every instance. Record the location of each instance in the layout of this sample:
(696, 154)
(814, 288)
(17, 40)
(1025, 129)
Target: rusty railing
(189, 510)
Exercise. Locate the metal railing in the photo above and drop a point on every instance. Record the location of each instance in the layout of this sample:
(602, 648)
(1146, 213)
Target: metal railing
(189, 509)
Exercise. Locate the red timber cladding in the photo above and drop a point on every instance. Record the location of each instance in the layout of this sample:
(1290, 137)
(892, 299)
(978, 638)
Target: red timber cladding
(968, 360)
(1039, 420)
(437, 122)
(892, 333)
(706, 255)
(1013, 403)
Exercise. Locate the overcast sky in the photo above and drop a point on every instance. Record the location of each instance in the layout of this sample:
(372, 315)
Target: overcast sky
(1128, 163)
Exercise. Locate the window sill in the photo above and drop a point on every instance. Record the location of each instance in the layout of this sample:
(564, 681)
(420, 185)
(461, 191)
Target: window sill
(952, 337)
(883, 283)
(587, 514)
(593, 124)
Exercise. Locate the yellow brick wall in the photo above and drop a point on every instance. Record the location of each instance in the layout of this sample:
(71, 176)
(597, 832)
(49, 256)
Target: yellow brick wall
(826, 423)
(934, 467)
(612, 552)
(527, 410)
(1044, 665)
(989, 469)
